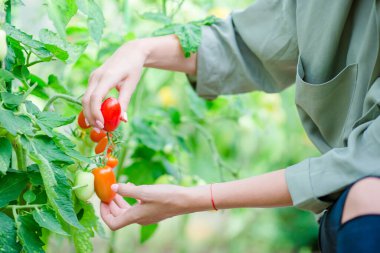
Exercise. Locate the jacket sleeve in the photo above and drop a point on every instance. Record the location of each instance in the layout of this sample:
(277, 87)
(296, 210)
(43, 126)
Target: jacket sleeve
(254, 49)
(314, 178)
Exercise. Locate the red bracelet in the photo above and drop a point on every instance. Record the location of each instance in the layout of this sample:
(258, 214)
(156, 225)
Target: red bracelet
(212, 199)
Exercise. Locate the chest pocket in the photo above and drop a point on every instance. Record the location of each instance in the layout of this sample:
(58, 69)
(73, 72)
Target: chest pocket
(324, 107)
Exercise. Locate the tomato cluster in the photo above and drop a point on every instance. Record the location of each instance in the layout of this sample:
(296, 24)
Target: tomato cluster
(102, 177)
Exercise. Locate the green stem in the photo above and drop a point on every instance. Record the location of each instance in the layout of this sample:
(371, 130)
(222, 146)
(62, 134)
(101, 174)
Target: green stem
(33, 63)
(61, 96)
(31, 88)
(20, 152)
(8, 19)
(25, 206)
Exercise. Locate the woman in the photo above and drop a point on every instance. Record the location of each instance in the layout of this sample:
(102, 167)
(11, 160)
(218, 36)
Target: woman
(330, 49)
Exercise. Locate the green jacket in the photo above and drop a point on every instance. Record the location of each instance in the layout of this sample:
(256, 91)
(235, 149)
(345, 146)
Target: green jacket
(330, 50)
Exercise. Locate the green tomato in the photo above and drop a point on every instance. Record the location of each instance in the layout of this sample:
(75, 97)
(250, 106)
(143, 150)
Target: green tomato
(85, 183)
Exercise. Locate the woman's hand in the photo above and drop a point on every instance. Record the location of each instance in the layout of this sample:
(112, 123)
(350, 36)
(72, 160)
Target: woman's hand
(122, 71)
(155, 203)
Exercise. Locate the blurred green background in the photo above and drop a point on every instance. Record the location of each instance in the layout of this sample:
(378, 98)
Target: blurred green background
(252, 134)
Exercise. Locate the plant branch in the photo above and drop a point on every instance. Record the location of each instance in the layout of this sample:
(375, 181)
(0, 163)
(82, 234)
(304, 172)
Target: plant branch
(33, 63)
(31, 88)
(61, 96)
(20, 152)
(25, 206)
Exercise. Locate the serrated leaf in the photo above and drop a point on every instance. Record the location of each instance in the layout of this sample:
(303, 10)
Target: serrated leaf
(189, 34)
(5, 154)
(95, 18)
(68, 147)
(31, 108)
(53, 120)
(21, 72)
(34, 175)
(147, 232)
(15, 123)
(62, 202)
(156, 17)
(10, 100)
(60, 12)
(8, 236)
(82, 241)
(46, 146)
(15, 54)
(61, 49)
(29, 196)
(46, 218)
(46, 171)
(29, 233)
(6, 76)
(37, 47)
(11, 185)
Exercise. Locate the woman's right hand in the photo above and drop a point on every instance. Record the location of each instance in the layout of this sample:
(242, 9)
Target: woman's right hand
(122, 71)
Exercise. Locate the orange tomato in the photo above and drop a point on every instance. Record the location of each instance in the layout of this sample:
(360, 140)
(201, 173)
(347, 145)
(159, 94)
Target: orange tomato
(101, 146)
(104, 178)
(96, 137)
(112, 161)
(82, 121)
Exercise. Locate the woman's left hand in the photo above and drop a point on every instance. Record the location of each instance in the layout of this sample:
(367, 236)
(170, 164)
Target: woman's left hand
(155, 203)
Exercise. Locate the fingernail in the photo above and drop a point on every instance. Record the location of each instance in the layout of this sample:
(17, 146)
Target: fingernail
(124, 117)
(85, 120)
(97, 130)
(114, 187)
(100, 124)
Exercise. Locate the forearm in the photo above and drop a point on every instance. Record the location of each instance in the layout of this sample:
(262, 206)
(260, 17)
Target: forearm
(267, 190)
(166, 53)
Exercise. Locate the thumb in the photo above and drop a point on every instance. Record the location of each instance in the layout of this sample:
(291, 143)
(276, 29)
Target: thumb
(127, 190)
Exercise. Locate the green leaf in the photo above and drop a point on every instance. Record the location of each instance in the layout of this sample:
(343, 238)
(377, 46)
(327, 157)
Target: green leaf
(5, 154)
(11, 185)
(31, 108)
(95, 18)
(46, 171)
(37, 47)
(68, 147)
(8, 236)
(49, 120)
(14, 123)
(60, 48)
(147, 135)
(157, 17)
(46, 146)
(46, 218)
(147, 232)
(34, 175)
(144, 172)
(196, 104)
(29, 196)
(60, 12)
(10, 100)
(21, 72)
(82, 241)
(6, 76)
(56, 85)
(29, 233)
(189, 34)
(35, 79)
(62, 203)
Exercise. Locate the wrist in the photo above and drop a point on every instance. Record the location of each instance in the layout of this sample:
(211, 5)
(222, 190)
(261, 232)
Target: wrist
(197, 199)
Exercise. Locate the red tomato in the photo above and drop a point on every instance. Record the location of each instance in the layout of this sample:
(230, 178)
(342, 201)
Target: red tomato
(104, 178)
(101, 146)
(96, 137)
(112, 161)
(111, 111)
(82, 121)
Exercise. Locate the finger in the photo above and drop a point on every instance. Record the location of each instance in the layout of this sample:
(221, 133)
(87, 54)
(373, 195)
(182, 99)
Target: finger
(86, 100)
(128, 190)
(105, 213)
(106, 83)
(119, 200)
(115, 209)
(126, 91)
